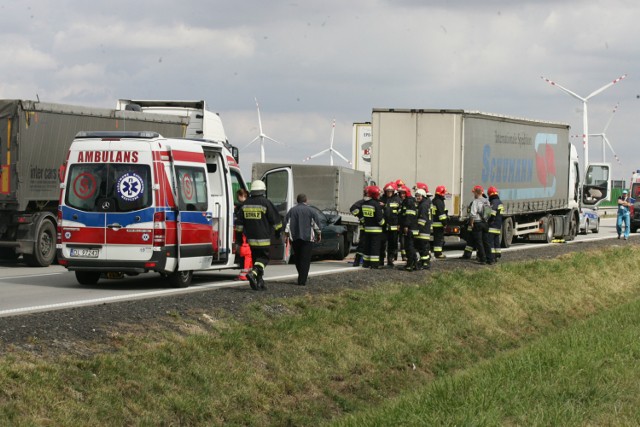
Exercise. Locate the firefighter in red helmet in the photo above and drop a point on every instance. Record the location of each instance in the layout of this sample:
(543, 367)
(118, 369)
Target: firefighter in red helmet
(439, 217)
(392, 204)
(373, 220)
(409, 225)
(495, 222)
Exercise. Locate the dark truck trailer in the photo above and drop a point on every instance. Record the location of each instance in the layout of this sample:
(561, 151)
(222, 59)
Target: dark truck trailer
(34, 141)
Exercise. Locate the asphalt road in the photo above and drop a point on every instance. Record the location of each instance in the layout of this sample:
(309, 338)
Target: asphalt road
(26, 290)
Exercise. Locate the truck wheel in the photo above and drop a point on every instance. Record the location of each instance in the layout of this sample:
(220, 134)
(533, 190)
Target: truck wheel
(180, 279)
(597, 229)
(87, 277)
(44, 249)
(548, 228)
(507, 232)
(574, 224)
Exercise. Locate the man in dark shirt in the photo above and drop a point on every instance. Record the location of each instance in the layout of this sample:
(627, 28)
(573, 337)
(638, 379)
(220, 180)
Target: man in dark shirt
(302, 229)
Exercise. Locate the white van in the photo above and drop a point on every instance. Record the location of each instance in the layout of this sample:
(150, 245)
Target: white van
(135, 202)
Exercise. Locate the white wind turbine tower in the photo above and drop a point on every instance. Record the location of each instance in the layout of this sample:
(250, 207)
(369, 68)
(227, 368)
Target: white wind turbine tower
(330, 150)
(261, 135)
(605, 140)
(585, 122)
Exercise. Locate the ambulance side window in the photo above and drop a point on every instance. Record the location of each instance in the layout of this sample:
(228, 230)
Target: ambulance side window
(192, 188)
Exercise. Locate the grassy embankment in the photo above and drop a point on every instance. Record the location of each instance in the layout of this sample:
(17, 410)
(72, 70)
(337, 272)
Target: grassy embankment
(541, 342)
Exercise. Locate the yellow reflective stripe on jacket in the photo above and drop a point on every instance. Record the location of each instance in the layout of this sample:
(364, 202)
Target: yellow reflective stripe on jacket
(259, 242)
(373, 229)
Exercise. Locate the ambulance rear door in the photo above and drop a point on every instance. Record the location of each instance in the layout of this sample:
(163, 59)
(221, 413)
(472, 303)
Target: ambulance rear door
(195, 219)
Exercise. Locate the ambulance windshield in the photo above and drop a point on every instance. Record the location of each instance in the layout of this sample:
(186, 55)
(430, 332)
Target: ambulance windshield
(99, 187)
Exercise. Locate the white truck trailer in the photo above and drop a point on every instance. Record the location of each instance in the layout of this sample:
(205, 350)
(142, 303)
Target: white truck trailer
(532, 164)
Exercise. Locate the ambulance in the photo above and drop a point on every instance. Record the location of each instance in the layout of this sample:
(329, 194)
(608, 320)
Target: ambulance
(136, 202)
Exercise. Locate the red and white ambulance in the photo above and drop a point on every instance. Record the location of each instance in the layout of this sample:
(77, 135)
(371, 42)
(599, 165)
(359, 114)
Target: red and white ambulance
(135, 202)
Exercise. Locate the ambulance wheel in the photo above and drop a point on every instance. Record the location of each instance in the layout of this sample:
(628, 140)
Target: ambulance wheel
(44, 248)
(597, 229)
(180, 279)
(87, 277)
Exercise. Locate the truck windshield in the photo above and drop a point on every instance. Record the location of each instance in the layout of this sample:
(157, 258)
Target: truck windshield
(99, 187)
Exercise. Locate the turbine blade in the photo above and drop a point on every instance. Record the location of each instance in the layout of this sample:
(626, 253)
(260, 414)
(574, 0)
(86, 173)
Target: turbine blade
(342, 157)
(552, 83)
(608, 85)
(259, 118)
(611, 118)
(333, 132)
(252, 141)
(612, 150)
(315, 155)
(271, 139)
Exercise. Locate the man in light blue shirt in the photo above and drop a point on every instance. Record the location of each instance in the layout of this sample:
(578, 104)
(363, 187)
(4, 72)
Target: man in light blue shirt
(624, 215)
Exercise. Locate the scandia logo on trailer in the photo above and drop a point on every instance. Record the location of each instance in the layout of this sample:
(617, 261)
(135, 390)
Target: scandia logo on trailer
(519, 169)
(107, 157)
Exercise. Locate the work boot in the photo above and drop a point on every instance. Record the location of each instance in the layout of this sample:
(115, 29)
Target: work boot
(390, 262)
(356, 260)
(440, 255)
(419, 265)
(261, 284)
(252, 277)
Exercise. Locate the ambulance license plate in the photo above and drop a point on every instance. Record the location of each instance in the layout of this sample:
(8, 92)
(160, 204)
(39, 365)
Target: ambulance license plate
(84, 253)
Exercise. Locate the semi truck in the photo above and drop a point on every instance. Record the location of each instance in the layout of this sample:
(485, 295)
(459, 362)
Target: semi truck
(34, 142)
(332, 189)
(531, 162)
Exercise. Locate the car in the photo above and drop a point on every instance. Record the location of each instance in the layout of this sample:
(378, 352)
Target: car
(589, 221)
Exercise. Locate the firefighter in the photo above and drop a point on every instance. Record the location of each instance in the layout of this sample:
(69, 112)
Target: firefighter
(373, 221)
(439, 217)
(471, 243)
(402, 195)
(256, 218)
(392, 204)
(409, 221)
(356, 210)
(495, 222)
(423, 233)
(480, 226)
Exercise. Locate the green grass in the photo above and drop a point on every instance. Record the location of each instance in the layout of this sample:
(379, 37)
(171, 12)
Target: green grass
(310, 360)
(586, 374)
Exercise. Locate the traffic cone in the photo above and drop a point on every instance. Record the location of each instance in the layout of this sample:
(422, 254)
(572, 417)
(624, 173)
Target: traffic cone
(245, 252)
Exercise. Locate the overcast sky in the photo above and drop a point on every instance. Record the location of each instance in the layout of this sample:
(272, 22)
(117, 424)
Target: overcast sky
(309, 62)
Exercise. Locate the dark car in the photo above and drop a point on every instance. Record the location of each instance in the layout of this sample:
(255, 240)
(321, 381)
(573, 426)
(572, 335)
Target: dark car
(333, 245)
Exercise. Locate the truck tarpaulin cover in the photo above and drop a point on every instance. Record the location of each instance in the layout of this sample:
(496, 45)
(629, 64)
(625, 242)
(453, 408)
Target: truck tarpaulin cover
(525, 162)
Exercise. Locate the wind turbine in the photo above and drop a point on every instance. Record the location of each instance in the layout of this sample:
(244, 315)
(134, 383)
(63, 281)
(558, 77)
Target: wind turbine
(605, 140)
(585, 121)
(330, 150)
(261, 136)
